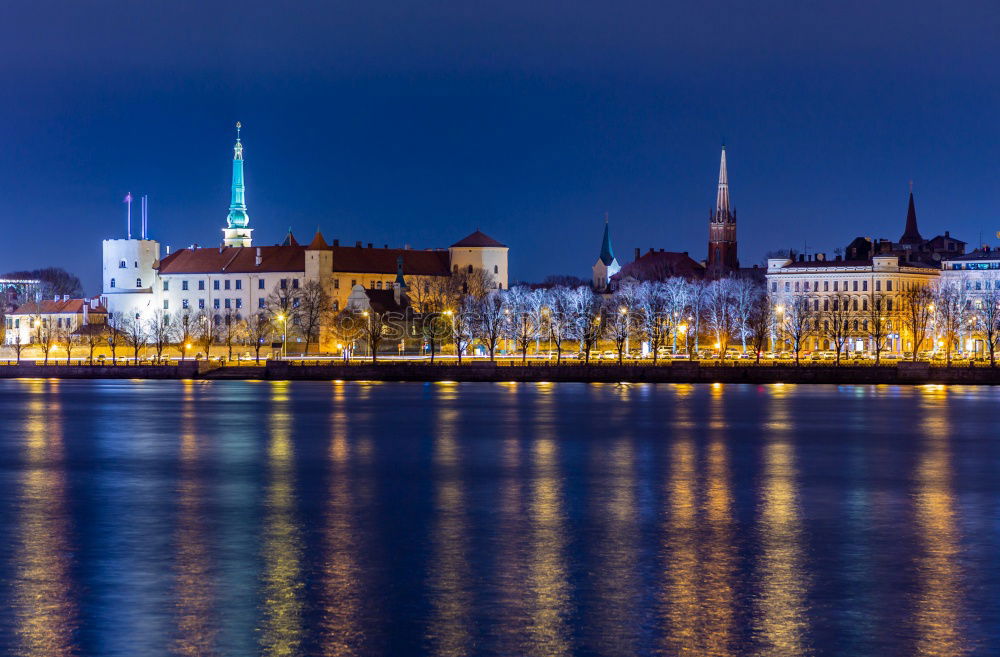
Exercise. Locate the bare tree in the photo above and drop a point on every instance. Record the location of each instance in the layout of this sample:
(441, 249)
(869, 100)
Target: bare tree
(837, 322)
(745, 294)
(314, 308)
(476, 283)
(205, 332)
(116, 333)
(259, 330)
(523, 308)
(63, 337)
(587, 325)
(185, 328)
(463, 325)
(795, 318)
(697, 300)
(160, 330)
(492, 321)
(559, 318)
(719, 311)
(46, 338)
(917, 313)
(374, 325)
(18, 345)
(759, 324)
(989, 316)
(136, 335)
(677, 292)
(950, 308)
(232, 331)
(94, 336)
(876, 322)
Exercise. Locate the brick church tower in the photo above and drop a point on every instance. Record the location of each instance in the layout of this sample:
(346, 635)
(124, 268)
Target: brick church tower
(722, 258)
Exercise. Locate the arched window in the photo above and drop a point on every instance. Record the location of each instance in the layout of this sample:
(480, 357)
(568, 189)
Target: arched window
(470, 269)
(122, 265)
(112, 282)
(138, 282)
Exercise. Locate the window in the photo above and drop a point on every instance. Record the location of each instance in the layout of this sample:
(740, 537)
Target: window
(59, 323)
(137, 266)
(215, 303)
(864, 285)
(378, 285)
(112, 282)
(353, 282)
(284, 283)
(201, 304)
(888, 286)
(835, 286)
(855, 304)
(865, 324)
(184, 304)
(122, 265)
(217, 318)
(496, 269)
(371, 285)
(260, 303)
(295, 302)
(864, 304)
(215, 285)
(826, 304)
(336, 305)
(201, 285)
(239, 284)
(336, 283)
(228, 303)
(836, 304)
(295, 283)
(979, 285)
(138, 282)
(166, 286)
(184, 285)
(826, 286)
(788, 286)
(888, 304)
(774, 286)
(239, 303)
(878, 286)
(166, 304)
(470, 266)
(260, 284)
(796, 286)
(856, 286)
(815, 304)
(227, 283)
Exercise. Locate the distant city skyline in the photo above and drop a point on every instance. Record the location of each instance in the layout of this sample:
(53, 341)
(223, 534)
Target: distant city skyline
(397, 127)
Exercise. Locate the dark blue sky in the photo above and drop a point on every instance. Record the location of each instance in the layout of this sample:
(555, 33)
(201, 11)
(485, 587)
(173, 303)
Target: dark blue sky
(416, 122)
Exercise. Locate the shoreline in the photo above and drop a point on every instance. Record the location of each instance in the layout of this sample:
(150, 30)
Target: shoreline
(478, 371)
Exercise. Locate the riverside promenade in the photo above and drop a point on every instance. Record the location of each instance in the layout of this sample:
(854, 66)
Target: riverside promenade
(502, 371)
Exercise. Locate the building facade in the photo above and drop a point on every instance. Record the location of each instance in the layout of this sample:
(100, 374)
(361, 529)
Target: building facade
(827, 291)
(237, 277)
(29, 321)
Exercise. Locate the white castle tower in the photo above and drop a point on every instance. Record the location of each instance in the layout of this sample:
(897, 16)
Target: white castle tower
(129, 270)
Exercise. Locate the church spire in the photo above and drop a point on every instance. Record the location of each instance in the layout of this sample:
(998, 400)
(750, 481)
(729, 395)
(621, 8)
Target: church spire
(237, 232)
(722, 196)
(607, 254)
(911, 235)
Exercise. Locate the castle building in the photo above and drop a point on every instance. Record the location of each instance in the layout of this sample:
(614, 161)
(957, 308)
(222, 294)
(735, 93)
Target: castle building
(722, 256)
(606, 265)
(237, 277)
(30, 320)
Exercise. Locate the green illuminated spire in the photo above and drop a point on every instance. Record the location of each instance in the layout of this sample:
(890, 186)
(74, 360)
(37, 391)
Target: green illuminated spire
(238, 217)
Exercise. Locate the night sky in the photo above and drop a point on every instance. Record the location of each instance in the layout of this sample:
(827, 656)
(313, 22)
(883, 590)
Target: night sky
(418, 121)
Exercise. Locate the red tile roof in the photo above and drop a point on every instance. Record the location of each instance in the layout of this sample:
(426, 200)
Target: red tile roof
(234, 260)
(242, 260)
(479, 238)
(50, 307)
(660, 265)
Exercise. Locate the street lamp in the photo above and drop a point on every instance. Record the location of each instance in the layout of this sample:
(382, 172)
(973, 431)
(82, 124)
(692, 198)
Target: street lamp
(284, 334)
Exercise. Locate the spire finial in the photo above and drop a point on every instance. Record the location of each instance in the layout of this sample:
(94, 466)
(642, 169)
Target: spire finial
(911, 186)
(605, 217)
(238, 126)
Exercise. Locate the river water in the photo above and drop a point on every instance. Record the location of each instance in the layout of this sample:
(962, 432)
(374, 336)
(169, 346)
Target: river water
(239, 518)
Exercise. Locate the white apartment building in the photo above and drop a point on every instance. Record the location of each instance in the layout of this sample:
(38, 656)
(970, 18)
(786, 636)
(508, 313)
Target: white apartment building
(823, 283)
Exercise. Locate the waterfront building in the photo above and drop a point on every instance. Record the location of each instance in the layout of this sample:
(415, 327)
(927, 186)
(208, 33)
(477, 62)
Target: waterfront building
(69, 316)
(606, 265)
(824, 285)
(658, 265)
(237, 277)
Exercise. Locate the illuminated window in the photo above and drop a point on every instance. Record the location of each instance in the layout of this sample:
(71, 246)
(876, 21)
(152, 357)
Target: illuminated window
(260, 303)
(184, 304)
(201, 304)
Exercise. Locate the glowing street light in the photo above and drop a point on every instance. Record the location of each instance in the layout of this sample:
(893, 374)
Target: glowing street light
(284, 334)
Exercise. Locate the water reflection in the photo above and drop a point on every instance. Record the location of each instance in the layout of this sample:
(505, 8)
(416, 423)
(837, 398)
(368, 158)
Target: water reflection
(780, 620)
(281, 632)
(44, 605)
(194, 592)
(547, 579)
(450, 582)
(939, 600)
(340, 631)
(699, 551)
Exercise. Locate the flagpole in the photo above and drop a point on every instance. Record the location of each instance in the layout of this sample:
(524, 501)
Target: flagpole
(128, 199)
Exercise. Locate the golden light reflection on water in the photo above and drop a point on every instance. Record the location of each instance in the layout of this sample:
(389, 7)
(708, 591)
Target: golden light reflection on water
(547, 580)
(938, 609)
(195, 597)
(341, 576)
(449, 631)
(780, 620)
(615, 578)
(44, 605)
(281, 631)
(511, 567)
(699, 553)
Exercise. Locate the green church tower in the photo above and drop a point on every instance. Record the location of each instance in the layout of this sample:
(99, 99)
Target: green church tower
(237, 232)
